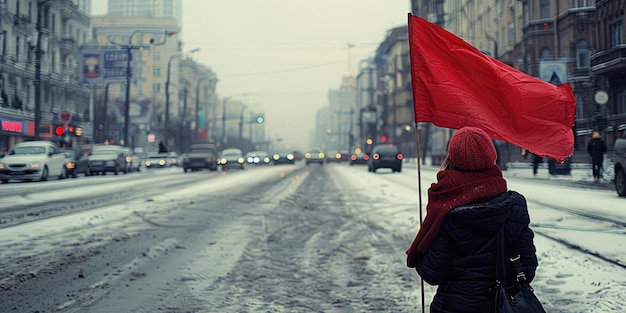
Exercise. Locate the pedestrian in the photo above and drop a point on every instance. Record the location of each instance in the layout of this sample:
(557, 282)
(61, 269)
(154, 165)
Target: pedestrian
(596, 149)
(536, 161)
(162, 148)
(455, 247)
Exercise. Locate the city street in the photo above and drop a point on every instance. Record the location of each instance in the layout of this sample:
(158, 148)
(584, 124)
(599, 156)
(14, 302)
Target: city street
(290, 238)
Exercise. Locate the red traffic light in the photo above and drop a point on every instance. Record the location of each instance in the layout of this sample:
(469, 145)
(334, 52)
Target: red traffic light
(59, 130)
(383, 138)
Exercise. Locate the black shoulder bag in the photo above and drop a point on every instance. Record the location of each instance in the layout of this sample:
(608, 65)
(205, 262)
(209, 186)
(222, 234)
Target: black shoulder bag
(520, 296)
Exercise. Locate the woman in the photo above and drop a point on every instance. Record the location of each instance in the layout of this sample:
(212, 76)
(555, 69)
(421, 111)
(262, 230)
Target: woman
(455, 247)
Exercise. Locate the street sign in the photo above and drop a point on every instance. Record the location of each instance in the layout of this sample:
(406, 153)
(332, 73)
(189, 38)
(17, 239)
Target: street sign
(103, 66)
(65, 116)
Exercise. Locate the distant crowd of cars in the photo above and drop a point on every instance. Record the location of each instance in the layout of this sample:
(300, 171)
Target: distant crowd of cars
(41, 160)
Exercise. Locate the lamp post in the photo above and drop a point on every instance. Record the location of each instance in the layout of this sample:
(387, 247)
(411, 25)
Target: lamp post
(129, 48)
(167, 93)
(37, 82)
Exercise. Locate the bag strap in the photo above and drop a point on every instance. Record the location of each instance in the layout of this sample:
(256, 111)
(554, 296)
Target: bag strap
(501, 265)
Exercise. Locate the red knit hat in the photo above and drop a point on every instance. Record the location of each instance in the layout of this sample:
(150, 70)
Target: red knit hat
(471, 150)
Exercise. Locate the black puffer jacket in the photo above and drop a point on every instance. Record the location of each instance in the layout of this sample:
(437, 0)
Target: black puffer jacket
(462, 258)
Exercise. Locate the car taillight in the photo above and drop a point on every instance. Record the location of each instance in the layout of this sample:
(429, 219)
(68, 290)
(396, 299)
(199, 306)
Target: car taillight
(376, 156)
(353, 157)
(399, 156)
(366, 157)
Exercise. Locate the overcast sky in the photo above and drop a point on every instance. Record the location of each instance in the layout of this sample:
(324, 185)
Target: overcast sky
(283, 56)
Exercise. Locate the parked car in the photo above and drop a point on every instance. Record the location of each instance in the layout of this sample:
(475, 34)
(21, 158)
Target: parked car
(33, 160)
(157, 160)
(385, 156)
(258, 158)
(314, 156)
(619, 165)
(75, 163)
(359, 158)
(283, 157)
(107, 158)
(200, 156)
(231, 158)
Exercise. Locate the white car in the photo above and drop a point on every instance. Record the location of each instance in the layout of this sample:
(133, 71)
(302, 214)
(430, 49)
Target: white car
(33, 160)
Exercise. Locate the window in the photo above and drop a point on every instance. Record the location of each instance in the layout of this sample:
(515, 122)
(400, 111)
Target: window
(617, 34)
(581, 3)
(511, 33)
(545, 9)
(17, 48)
(156, 55)
(621, 103)
(156, 87)
(156, 72)
(582, 55)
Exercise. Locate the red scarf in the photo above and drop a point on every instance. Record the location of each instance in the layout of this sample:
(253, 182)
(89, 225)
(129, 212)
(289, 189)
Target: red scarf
(453, 189)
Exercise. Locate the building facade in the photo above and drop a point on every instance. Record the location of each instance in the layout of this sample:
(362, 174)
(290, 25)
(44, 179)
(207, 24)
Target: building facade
(172, 9)
(579, 42)
(154, 50)
(38, 70)
(394, 92)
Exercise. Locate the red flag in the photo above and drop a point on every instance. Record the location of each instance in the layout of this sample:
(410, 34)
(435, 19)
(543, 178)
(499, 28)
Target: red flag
(455, 85)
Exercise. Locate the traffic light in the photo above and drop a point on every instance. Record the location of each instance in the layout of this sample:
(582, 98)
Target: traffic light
(59, 130)
(383, 138)
(260, 119)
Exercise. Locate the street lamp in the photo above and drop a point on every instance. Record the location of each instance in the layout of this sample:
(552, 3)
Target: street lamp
(167, 92)
(129, 47)
(37, 82)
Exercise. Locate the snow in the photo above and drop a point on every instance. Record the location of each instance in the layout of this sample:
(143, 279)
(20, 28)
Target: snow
(566, 280)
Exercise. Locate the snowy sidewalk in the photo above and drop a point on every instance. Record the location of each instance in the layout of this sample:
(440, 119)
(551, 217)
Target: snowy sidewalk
(580, 174)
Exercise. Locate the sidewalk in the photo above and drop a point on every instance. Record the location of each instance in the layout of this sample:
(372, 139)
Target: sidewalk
(580, 174)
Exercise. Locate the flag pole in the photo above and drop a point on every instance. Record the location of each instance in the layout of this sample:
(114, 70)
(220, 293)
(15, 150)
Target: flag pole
(419, 167)
(419, 195)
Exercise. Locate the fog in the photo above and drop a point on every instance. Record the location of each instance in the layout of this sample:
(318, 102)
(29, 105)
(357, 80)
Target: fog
(281, 57)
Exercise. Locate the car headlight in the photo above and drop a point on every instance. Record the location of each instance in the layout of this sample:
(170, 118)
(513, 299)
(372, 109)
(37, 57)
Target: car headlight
(266, 160)
(148, 163)
(35, 165)
(240, 160)
(1, 166)
(290, 156)
(128, 159)
(70, 165)
(222, 161)
(276, 156)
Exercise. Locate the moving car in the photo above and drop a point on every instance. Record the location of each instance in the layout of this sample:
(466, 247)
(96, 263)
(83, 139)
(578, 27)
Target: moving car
(231, 158)
(107, 158)
(338, 156)
(258, 158)
(201, 156)
(157, 160)
(314, 156)
(359, 158)
(385, 156)
(283, 157)
(33, 160)
(173, 158)
(75, 163)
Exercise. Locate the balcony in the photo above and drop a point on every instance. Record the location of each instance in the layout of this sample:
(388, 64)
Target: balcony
(609, 61)
(68, 44)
